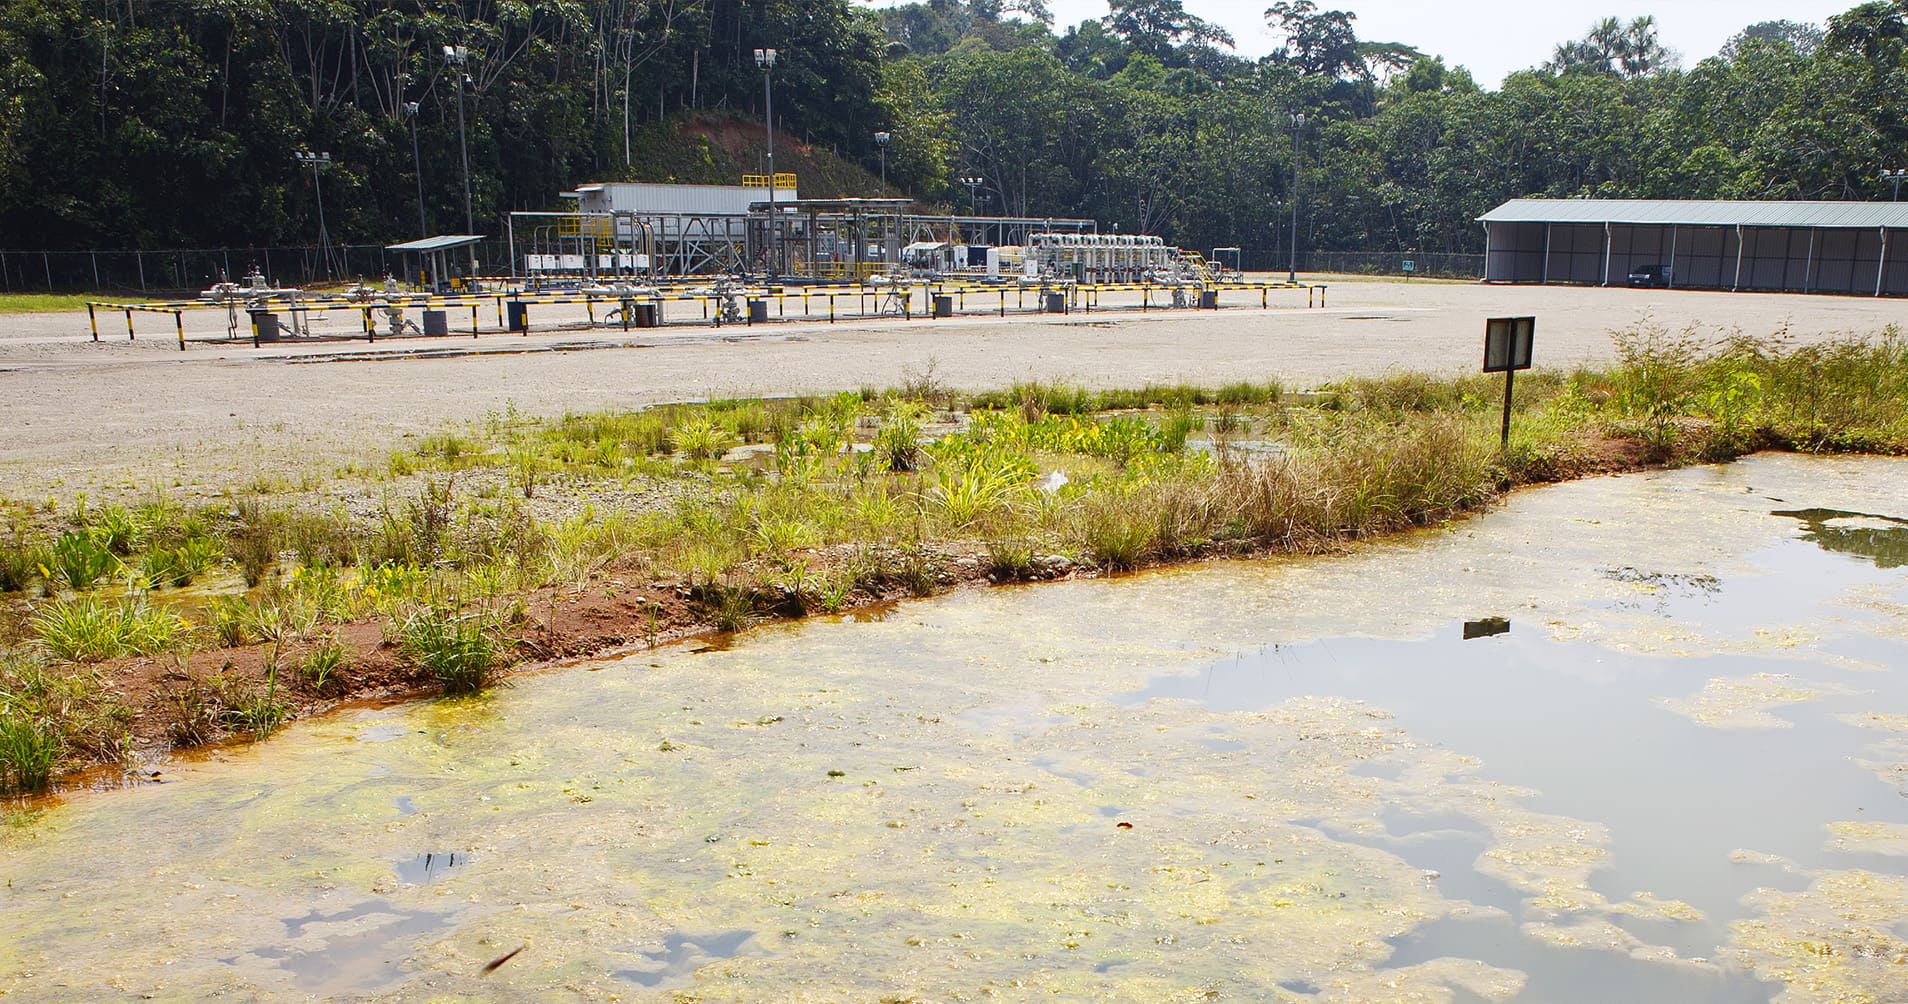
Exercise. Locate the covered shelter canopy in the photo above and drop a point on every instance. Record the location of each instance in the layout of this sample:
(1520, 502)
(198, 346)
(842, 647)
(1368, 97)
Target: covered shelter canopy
(1791, 246)
(432, 250)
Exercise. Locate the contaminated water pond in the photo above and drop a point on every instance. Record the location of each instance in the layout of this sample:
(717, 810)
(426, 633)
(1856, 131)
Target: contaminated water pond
(1668, 764)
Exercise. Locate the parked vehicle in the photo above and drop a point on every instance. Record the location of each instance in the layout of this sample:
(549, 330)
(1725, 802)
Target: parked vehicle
(1650, 277)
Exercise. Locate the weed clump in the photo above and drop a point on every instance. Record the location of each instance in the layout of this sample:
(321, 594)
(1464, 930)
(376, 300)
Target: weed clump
(459, 651)
(90, 630)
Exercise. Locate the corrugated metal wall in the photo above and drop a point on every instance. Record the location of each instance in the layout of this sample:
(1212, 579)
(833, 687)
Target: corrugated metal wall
(1772, 259)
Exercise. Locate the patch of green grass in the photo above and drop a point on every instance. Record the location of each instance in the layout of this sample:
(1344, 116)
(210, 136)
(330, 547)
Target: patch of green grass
(1118, 529)
(44, 303)
(459, 650)
(20, 564)
(701, 439)
(52, 717)
(92, 630)
(29, 750)
(317, 666)
(231, 621)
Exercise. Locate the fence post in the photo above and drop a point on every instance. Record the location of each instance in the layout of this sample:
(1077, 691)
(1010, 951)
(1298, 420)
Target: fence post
(139, 261)
(46, 259)
(95, 256)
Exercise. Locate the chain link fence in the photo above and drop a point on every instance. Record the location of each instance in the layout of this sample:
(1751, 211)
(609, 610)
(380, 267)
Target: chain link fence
(187, 271)
(1279, 259)
(1427, 264)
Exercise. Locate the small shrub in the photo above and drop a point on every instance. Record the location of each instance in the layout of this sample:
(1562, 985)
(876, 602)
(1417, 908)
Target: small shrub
(252, 544)
(1173, 432)
(232, 620)
(321, 539)
(898, 444)
(19, 563)
(778, 535)
(319, 663)
(918, 571)
(833, 589)
(80, 560)
(206, 710)
(701, 439)
(260, 713)
(731, 608)
(1010, 558)
(29, 750)
(458, 651)
(114, 529)
(1118, 530)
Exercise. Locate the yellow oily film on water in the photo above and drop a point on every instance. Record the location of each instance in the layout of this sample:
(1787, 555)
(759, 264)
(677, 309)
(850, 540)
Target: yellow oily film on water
(1677, 776)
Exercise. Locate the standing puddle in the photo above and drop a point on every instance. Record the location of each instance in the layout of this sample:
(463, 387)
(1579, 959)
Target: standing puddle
(1667, 766)
(1578, 724)
(429, 867)
(682, 955)
(352, 951)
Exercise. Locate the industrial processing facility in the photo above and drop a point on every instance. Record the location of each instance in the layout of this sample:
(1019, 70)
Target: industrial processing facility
(761, 226)
(638, 255)
(1798, 247)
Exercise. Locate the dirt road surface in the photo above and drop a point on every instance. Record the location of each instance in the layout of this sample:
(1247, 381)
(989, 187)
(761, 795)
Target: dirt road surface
(119, 416)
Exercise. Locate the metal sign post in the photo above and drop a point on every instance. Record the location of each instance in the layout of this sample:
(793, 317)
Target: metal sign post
(1507, 345)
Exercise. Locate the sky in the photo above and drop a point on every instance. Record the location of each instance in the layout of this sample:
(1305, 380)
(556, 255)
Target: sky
(1492, 37)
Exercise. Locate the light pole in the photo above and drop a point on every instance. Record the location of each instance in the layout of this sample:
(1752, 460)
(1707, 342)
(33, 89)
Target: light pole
(417, 169)
(461, 56)
(1895, 177)
(1298, 125)
(881, 140)
(765, 58)
(973, 193)
(315, 161)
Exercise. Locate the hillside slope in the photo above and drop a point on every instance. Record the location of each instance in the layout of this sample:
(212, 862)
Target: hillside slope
(712, 148)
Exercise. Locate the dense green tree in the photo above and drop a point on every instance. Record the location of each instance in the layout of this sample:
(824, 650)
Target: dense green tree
(1612, 47)
(174, 122)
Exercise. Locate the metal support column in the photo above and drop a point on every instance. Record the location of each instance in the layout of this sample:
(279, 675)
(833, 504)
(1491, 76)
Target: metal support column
(1808, 268)
(1606, 252)
(1881, 265)
(1669, 281)
(1736, 283)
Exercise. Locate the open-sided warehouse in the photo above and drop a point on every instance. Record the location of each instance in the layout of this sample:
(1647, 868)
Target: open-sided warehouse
(1798, 247)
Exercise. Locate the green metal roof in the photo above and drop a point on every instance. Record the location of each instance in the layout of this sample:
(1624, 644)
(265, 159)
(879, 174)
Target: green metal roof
(1703, 213)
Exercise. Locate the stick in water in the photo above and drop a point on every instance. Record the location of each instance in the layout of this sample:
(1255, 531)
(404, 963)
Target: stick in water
(506, 957)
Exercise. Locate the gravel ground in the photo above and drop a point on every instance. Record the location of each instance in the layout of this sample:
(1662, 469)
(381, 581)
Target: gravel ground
(118, 416)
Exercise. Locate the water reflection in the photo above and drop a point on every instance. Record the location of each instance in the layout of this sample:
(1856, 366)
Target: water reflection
(1882, 539)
